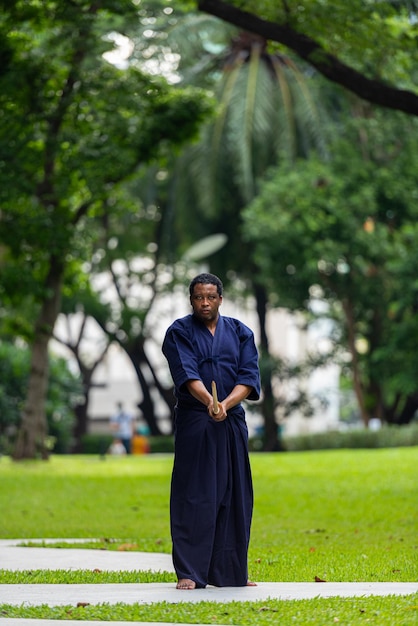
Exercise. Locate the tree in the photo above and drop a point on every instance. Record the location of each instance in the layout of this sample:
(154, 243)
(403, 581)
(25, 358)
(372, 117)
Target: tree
(267, 111)
(87, 365)
(370, 50)
(62, 394)
(347, 230)
(128, 276)
(73, 129)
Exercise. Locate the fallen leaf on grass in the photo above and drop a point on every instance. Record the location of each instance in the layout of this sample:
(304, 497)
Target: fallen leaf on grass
(127, 546)
(319, 580)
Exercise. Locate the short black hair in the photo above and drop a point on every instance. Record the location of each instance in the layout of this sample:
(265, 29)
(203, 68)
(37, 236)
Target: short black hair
(206, 279)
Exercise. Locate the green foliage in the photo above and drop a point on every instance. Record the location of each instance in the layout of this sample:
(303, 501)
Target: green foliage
(72, 127)
(99, 444)
(267, 110)
(376, 38)
(265, 106)
(95, 444)
(63, 391)
(163, 444)
(14, 368)
(346, 229)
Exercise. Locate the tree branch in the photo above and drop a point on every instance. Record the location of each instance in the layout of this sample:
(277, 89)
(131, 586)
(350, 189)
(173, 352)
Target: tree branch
(374, 91)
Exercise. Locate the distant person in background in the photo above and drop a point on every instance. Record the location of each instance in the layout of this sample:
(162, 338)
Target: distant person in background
(123, 427)
(140, 441)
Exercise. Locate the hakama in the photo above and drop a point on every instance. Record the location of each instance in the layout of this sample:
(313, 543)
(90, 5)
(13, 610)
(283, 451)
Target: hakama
(211, 498)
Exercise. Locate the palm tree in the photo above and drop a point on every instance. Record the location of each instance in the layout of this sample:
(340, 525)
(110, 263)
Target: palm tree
(266, 112)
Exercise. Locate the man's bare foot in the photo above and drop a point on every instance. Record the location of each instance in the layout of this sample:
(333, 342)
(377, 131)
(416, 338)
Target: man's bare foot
(186, 583)
(251, 584)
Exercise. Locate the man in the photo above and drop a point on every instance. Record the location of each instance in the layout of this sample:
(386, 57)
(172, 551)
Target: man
(123, 427)
(211, 489)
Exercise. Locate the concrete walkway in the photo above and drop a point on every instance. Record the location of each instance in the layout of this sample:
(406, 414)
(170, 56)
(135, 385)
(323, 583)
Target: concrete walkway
(15, 558)
(146, 593)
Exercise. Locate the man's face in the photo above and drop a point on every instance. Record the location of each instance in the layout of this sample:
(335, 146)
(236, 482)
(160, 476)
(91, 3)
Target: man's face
(206, 301)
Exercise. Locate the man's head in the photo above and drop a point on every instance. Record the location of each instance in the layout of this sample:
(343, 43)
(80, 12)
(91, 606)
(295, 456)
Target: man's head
(206, 279)
(206, 298)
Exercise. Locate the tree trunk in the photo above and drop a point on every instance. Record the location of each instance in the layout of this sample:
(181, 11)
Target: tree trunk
(409, 410)
(135, 350)
(80, 428)
(136, 353)
(31, 440)
(272, 441)
(81, 410)
(358, 388)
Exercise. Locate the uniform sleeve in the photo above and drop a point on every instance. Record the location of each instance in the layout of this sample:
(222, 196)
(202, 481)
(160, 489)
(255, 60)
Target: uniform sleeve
(248, 372)
(179, 352)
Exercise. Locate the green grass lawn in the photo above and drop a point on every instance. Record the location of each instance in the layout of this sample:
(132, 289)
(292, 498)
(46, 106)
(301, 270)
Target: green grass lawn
(342, 515)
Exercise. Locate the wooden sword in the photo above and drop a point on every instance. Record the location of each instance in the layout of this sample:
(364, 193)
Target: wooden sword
(215, 398)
